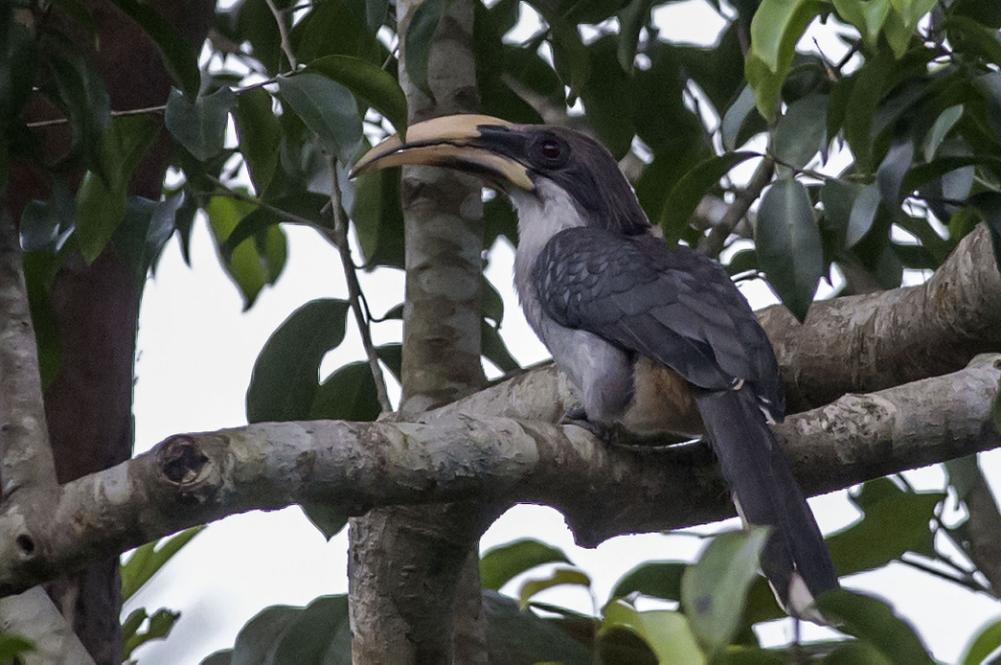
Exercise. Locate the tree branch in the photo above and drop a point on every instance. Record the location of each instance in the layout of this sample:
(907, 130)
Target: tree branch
(712, 244)
(25, 455)
(603, 491)
(33, 616)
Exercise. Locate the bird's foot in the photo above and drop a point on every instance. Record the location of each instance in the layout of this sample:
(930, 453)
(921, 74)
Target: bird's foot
(612, 435)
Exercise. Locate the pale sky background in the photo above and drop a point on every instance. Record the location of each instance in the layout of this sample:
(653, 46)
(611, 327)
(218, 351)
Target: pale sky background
(196, 352)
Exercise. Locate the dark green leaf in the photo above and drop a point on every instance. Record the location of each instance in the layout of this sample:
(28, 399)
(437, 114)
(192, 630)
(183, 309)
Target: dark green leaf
(338, 28)
(146, 560)
(559, 577)
(987, 12)
(788, 244)
(802, 131)
(661, 579)
(328, 109)
(963, 473)
(200, 124)
(305, 205)
(986, 642)
(499, 219)
(373, 85)
(80, 93)
(502, 563)
(258, 639)
(180, 58)
(17, 67)
(491, 303)
(42, 222)
(943, 125)
(347, 394)
(863, 215)
(570, 56)
(223, 657)
(857, 653)
(285, 379)
(419, 39)
(838, 197)
(522, 638)
(320, 633)
(378, 218)
(736, 118)
(714, 590)
(668, 634)
(969, 36)
(891, 526)
(259, 135)
(607, 98)
(328, 519)
(160, 624)
(866, 93)
(495, 350)
(893, 168)
(873, 620)
(632, 17)
(101, 203)
(688, 191)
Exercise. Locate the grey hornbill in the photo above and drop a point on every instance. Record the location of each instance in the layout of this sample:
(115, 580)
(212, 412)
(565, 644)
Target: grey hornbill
(636, 325)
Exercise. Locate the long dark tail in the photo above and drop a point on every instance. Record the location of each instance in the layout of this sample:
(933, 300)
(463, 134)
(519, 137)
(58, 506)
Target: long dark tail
(767, 494)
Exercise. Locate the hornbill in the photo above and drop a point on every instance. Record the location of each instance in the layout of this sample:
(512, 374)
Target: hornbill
(631, 320)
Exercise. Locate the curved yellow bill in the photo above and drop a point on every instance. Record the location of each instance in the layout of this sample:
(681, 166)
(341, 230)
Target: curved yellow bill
(451, 141)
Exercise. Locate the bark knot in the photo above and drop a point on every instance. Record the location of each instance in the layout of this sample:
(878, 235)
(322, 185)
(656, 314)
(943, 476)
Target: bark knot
(181, 460)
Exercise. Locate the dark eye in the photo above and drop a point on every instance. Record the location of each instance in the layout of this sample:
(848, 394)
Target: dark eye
(550, 149)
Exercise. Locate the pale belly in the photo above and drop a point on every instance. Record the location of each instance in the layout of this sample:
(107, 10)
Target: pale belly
(661, 403)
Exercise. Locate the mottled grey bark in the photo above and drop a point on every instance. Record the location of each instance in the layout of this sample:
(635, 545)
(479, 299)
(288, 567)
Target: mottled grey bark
(603, 491)
(984, 530)
(413, 569)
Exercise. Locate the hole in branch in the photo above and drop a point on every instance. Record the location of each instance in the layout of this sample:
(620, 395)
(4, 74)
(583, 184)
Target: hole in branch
(26, 543)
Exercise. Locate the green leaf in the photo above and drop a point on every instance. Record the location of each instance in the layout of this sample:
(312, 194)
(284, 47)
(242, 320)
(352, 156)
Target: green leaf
(328, 109)
(347, 394)
(912, 11)
(963, 473)
(259, 134)
(285, 379)
(328, 519)
(714, 590)
(687, 192)
(80, 93)
(607, 98)
(199, 125)
(893, 168)
(667, 633)
(988, 204)
(776, 27)
(495, 350)
(253, 263)
(100, 203)
(373, 85)
(866, 15)
(257, 640)
(802, 131)
(320, 633)
(419, 39)
(180, 58)
(17, 68)
(970, 36)
(838, 198)
(378, 218)
(943, 125)
(12, 645)
(146, 560)
(890, 526)
(660, 579)
(856, 653)
(559, 577)
(736, 118)
(874, 621)
(303, 205)
(863, 100)
(632, 17)
(515, 636)
(160, 623)
(986, 642)
(501, 564)
(788, 244)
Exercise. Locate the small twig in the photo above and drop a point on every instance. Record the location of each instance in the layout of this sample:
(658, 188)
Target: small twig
(283, 33)
(228, 191)
(968, 582)
(340, 233)
(712, 244)
(149, 109)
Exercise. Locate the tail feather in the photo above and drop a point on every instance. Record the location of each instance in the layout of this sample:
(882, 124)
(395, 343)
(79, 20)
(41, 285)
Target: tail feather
(767, 494)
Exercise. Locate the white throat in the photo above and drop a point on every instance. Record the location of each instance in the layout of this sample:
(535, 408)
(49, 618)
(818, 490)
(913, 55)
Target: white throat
(541, 215)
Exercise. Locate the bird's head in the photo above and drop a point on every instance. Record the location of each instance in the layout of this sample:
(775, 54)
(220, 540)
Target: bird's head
(528, 162)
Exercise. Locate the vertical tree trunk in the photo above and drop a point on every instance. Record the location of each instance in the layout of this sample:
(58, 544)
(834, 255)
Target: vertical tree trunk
(88, 404)
(413, 572)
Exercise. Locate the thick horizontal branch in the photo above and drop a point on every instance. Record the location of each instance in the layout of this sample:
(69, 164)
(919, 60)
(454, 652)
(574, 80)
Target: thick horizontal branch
(603, 491)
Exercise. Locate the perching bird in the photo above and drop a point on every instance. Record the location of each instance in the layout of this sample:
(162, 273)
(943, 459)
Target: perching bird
(631, 320)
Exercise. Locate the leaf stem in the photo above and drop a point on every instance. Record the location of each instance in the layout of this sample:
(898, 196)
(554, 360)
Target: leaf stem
(355, 296)
(283, 33)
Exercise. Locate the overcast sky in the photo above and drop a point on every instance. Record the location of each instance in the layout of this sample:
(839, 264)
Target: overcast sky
(196, 351)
